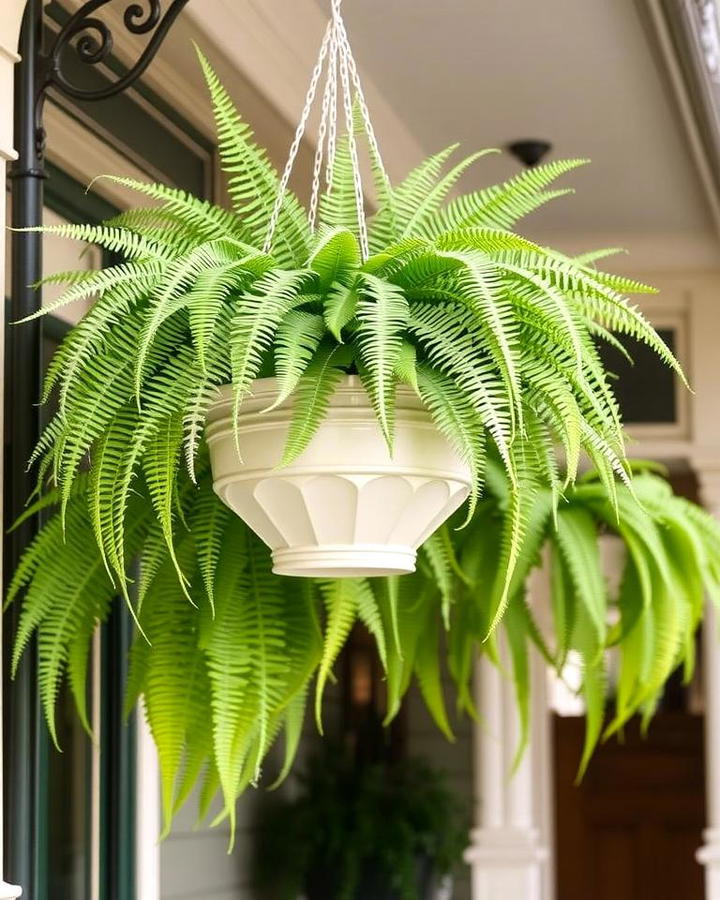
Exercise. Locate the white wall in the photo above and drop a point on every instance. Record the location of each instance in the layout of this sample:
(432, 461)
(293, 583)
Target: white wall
(10, 14)
(195, 863)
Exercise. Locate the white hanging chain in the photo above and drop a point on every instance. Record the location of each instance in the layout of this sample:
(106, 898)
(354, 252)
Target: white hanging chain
(299, 132)
(360, 95)
(352, 146)
(341, 75)
(329, 102)
(332, 119)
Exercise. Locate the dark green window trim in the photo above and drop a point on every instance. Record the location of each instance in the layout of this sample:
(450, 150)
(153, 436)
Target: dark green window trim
(118, 762)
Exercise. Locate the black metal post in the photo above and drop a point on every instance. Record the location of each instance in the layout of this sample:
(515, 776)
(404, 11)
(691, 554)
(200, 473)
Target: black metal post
(41, 70)
(22, 424)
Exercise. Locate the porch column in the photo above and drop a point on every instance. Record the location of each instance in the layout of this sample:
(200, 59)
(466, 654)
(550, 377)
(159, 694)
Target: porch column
(149, 820)
(10, 15)
(510, 844)
(709, 853)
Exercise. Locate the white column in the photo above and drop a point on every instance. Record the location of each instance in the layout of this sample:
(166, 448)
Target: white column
(709, 854)
(148, 823)
(10, 16)
(509, 846)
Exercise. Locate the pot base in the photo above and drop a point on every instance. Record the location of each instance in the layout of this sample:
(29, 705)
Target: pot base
(344, 560)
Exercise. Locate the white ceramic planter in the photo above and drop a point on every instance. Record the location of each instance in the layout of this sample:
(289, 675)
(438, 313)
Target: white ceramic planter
(344, 507)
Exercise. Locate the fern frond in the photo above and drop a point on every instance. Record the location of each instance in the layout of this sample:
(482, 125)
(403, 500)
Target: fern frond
(114, 240)
(427, 208)
(335, 257)
(392, 219)
(160, 465)
(296, 343)
(253, 184)
(246, 660)
(503, 205)
(312, 397)
(444, 334)
(383, 313)
(256, 318)
(340, 308)
(201, 219)
(341, 598)
(427, 670)
(175, 684)
(337, 209)
(134, 274)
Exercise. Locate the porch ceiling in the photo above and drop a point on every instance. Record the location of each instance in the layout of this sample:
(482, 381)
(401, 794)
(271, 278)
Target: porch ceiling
(583, 74)
(578, 73)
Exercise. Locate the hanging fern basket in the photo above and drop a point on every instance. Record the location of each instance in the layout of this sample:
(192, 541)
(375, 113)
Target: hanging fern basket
(345, 506)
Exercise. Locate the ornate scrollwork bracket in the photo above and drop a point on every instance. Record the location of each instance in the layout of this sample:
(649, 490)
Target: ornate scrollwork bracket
(90, 40)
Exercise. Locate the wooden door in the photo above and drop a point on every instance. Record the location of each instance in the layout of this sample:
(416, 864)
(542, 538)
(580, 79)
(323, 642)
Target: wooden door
(630, 830)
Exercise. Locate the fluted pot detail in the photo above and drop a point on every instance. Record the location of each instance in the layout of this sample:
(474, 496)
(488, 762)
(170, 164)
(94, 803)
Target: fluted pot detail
(345, 507)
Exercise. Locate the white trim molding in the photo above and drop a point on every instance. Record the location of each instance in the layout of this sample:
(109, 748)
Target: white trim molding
(7, 64)
(688, 39)
(510, 847)
(10, 16)
(148, 824)
(708, 855)
(709, 36)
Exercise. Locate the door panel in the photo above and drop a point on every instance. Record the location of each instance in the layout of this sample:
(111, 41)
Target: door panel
(630, 830)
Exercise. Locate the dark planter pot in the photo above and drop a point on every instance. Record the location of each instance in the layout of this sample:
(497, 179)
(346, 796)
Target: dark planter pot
(373, 884)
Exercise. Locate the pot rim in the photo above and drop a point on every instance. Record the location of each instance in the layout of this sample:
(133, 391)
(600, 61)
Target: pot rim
(349, 393)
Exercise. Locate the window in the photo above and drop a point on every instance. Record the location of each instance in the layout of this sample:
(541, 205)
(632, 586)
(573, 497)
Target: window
(645, 387)
(73, 820)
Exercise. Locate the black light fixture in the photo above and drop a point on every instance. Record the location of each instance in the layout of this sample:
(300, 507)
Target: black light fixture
(529, 151)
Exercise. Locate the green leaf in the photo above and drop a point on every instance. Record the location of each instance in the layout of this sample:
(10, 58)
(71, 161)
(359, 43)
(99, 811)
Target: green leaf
(383, 314)
(427, 669)
(253, 183)
(340, 308)
(578, 543)
(296, 343)
(336, 257)
(341, 598)
(256, 319)
(312, 398)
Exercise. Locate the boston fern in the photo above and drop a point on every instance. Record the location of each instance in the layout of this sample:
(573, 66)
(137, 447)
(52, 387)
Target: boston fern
(648, 623)
(497, 335)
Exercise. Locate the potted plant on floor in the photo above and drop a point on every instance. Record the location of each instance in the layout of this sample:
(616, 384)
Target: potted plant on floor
(473, 347)
(378, 831)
